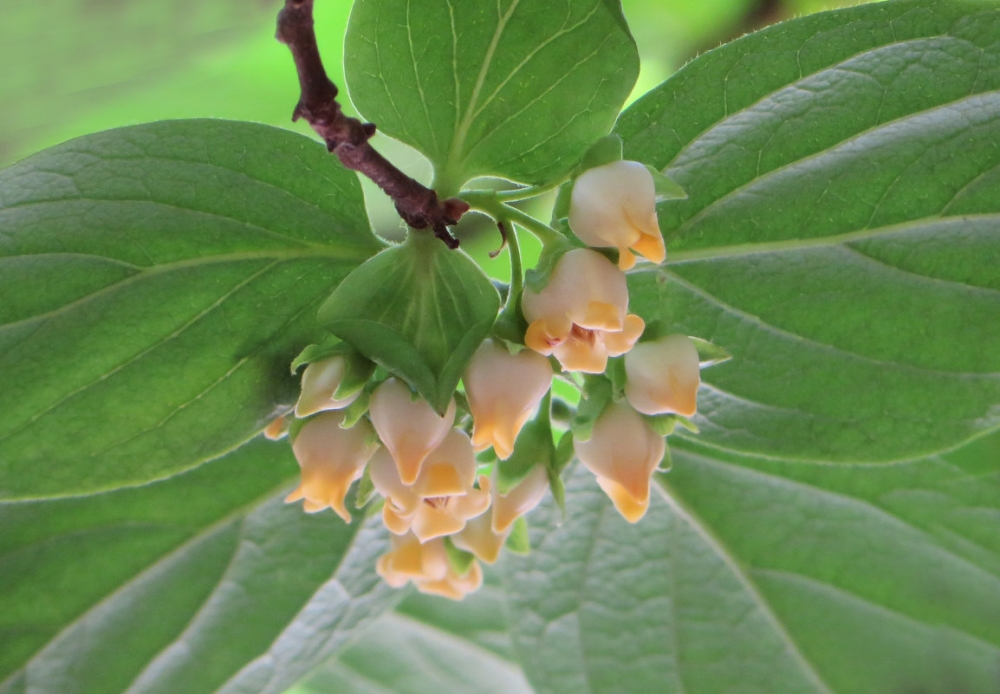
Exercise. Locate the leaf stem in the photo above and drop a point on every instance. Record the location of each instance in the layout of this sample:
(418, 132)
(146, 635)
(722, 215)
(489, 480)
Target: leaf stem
(487, 201)
(526, 192)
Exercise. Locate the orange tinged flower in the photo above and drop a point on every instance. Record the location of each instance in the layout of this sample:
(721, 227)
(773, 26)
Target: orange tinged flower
(623, 451)
(331, 458)
(581, 315)
(663, 376)
(320, 381)
(409, 427)
(615, 206)
(426, 565)
(441, 500)
(504, 390)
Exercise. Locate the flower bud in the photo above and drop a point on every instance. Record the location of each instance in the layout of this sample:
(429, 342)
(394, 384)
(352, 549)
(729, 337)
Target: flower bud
(524, 497)
(320, 381)
(453, 586)
(623, 451)
(409, 428)
(615, 206)
(663, 376)
(504, 390)
(581, 315)
(331, 458)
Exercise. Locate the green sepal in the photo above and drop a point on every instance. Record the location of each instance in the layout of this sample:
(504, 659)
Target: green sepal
(666, 424)
(357, 369)
(356, 410)
(666, 188)
(615, 371)
(564, 453)
(597, 393)
(667, 461)
(459, 560)
(518, 541)
(366, 489)
(538, 277)
(533, 447)
(294, 427)
(710, 354)
(558, 490)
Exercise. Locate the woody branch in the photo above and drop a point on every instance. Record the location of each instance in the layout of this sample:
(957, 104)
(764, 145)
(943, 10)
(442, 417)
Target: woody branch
(348, 138)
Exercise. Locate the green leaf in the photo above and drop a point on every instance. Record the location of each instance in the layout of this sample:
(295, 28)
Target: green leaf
(430, 645)
(749, 575)
(156, 282)
(841, 231)
(420, 310)
(206, 582)
(462, 81)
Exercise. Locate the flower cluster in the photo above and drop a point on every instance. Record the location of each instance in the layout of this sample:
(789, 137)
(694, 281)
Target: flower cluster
(448, 498)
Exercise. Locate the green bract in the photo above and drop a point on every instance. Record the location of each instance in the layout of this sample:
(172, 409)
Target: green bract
(418, 309)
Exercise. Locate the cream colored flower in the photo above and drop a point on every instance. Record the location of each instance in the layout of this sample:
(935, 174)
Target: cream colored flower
(623, 451)
(504, 390)
(410, 559)
(331, 458)
(409, 428)
(441, 499)
(615, 206)
(453, 586)
(663, 376)
(486, 535)
(426, 564)
(581, 315)
(320, 381)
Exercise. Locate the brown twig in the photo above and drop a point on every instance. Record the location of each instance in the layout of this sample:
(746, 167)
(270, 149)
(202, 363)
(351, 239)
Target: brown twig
(348, 137)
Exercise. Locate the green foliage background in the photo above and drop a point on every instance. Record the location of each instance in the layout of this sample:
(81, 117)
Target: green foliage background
(749, 575)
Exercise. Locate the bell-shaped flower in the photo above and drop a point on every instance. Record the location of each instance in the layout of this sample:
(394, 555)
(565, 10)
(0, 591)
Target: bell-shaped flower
(320, 381)
(615, 206)
(453, 586)
(623, 451)
(486, 535)
(426, 565)
(409, 427)
(441, 499)
(331, 458)
(409, 559)
(581, 316)
(504, 390)
(663, 376)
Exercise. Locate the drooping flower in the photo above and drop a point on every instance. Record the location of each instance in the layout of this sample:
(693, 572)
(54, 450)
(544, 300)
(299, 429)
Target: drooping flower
(486, 535)
(663, 376)
(623, 451)
(581, 315)
(331, 458)
(426, 564)
(614, 205)
(441, 500)
(410, 559)
(503, 389)
(409, 428)
(320, 381)
(453, 586)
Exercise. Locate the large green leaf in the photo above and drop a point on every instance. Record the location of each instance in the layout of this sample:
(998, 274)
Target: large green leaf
(841, 229)
(206, 582)
(429, 645)
(761, 576)
(518, 88)
(156, 282)
(420, 310)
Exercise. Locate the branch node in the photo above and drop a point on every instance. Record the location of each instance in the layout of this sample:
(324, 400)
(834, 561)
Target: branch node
(348, 138)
